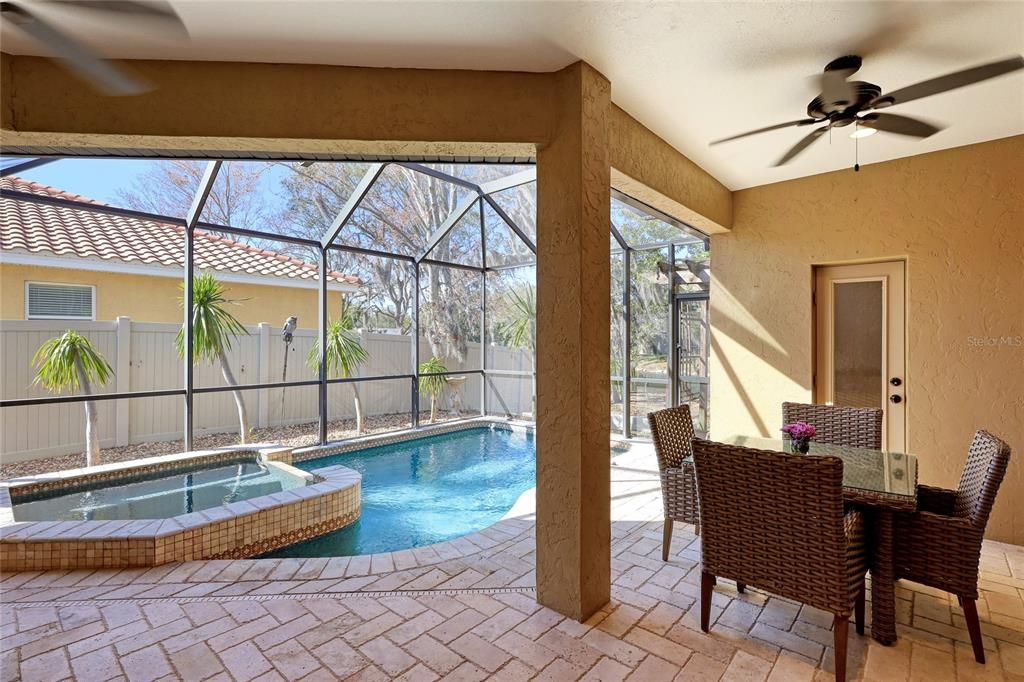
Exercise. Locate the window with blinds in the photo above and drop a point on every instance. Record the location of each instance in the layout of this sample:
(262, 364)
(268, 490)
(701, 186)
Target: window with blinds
(46, 301)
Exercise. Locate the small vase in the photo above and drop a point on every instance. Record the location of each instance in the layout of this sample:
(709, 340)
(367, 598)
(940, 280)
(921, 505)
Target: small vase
(801, 445)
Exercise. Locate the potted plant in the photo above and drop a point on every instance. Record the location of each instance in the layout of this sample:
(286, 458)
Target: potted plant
(799, 435)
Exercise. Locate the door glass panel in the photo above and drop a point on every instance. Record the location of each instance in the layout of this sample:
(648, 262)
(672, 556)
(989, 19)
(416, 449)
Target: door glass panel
(858, 343)
(694, 335)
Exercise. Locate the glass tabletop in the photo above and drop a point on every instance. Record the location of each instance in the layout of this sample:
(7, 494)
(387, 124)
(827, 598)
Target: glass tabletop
(873, 471)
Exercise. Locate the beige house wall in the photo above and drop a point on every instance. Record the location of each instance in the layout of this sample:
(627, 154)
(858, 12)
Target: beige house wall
(957, 218)
(157, 299)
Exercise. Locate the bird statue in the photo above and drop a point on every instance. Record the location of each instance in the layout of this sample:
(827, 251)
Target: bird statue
(288, 329)
(287, 332)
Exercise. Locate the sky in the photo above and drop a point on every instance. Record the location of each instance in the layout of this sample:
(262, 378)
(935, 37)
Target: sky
(97, 179)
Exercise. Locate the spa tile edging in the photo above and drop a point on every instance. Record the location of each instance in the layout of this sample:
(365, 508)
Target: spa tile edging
(235, 530)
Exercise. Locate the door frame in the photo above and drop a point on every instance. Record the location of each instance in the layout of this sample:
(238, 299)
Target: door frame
(816, 384)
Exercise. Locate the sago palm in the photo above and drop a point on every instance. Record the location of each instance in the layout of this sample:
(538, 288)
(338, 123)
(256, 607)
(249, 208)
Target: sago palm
(433, 385)
(213, 330)
(71, 362)
(344, 355)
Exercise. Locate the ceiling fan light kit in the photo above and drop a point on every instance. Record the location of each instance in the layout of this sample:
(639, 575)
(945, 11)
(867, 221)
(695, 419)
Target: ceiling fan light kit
(843, 102)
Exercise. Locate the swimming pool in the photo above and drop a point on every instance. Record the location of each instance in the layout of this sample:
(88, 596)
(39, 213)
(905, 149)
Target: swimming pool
(428, 490)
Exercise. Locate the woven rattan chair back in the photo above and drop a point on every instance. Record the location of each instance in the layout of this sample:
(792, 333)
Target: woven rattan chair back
(858, 427)
(774, 521)
(986, 465)
(672, 433)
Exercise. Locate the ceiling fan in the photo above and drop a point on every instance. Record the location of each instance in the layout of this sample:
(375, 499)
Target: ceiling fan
(843, 102)
(30, 16)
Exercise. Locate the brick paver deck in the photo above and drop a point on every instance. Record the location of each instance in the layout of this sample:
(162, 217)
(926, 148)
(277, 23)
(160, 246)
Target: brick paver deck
(465, 610)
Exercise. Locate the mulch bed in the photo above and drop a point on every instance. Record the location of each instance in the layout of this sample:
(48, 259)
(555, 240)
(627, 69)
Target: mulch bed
(296, 435)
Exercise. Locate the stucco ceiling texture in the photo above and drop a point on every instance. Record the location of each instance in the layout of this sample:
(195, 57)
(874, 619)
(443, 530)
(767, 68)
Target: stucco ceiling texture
(690, 71)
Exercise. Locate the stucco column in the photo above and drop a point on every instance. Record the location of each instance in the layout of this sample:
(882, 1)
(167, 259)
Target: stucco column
(573, 488)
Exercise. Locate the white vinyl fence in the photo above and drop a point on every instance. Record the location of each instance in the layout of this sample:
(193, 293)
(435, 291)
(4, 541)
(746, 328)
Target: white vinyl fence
(144, 358)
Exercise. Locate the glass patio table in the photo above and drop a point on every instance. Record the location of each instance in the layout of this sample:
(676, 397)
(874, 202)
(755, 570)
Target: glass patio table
(885, 483)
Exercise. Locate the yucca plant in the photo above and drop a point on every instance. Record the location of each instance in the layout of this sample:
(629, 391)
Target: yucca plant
(521, 330)
(213, 330)
(71, 362)
(433, 385)
(344, 355)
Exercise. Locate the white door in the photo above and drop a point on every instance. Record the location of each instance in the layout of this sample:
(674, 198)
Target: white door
(860, 341)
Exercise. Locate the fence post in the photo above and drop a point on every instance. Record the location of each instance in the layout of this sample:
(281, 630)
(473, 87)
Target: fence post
(263, 372)
(122, 379)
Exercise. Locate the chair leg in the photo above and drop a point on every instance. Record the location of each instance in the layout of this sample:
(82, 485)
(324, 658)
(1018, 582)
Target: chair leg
(707, 581)
(741, 587)
(974, 628)
(858, 609)
(840, 629)
(666, 539)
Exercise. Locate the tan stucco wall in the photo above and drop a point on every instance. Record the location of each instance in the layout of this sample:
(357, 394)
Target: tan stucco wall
(957, 217)
(333, 109)
(156, 299)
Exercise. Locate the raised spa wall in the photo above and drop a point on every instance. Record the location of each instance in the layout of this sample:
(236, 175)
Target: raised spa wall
(237, 530)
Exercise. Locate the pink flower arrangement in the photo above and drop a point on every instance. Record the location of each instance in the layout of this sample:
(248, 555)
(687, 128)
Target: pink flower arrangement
(799, 430)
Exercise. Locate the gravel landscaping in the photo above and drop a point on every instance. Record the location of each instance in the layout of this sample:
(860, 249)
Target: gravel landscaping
(296, 435)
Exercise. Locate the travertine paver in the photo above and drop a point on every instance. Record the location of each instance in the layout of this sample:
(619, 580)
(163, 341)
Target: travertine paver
(466, 610)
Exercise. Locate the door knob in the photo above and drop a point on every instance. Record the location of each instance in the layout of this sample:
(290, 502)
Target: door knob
(895, 399)
(895, 381)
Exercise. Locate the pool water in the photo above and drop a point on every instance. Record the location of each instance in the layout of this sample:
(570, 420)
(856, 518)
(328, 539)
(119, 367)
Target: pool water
(159, 495)
(427, 490)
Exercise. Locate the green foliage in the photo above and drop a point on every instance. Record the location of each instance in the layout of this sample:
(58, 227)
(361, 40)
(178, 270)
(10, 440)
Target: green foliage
(213, 326)
(56, 360)
(521, 330)
(432, 385)
(344, 351)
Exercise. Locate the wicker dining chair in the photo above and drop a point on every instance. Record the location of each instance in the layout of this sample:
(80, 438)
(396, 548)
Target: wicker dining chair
(672, 432)
(859, 427)
(940, 544)
(776, 521)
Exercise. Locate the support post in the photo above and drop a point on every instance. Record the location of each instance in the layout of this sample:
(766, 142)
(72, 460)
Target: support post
(414, 408)
(322, 336)
(483, 313)
(194, 212)
(627, 344)
(123, 380)
(673, 331)
(573, 307)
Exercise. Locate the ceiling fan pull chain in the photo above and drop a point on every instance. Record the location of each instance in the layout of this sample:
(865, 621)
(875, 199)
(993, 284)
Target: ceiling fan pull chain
(856, 153)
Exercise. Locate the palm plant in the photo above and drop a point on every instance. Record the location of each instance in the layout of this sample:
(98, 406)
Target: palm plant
(521, 330)
(213, 328)
(70, 361)
(433, 385)
(344, 355)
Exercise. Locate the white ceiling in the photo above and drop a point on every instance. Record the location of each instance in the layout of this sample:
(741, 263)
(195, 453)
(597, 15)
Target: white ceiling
(692, 72)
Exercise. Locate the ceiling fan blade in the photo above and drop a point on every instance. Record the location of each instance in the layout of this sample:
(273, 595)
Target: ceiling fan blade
(801, 145)
(76, 56)
(777, 126)
(146, 10)
(901, 125)
(951, 81)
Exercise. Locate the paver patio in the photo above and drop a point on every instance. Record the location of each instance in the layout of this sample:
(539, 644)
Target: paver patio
(466, 610)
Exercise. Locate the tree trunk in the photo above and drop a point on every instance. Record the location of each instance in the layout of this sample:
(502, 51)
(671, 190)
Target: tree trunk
(433, 408)
(359, 409)
(92, 435)
(243, 417)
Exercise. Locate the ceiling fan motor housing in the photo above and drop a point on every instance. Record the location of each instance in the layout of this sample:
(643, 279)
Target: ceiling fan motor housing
(839, 112)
